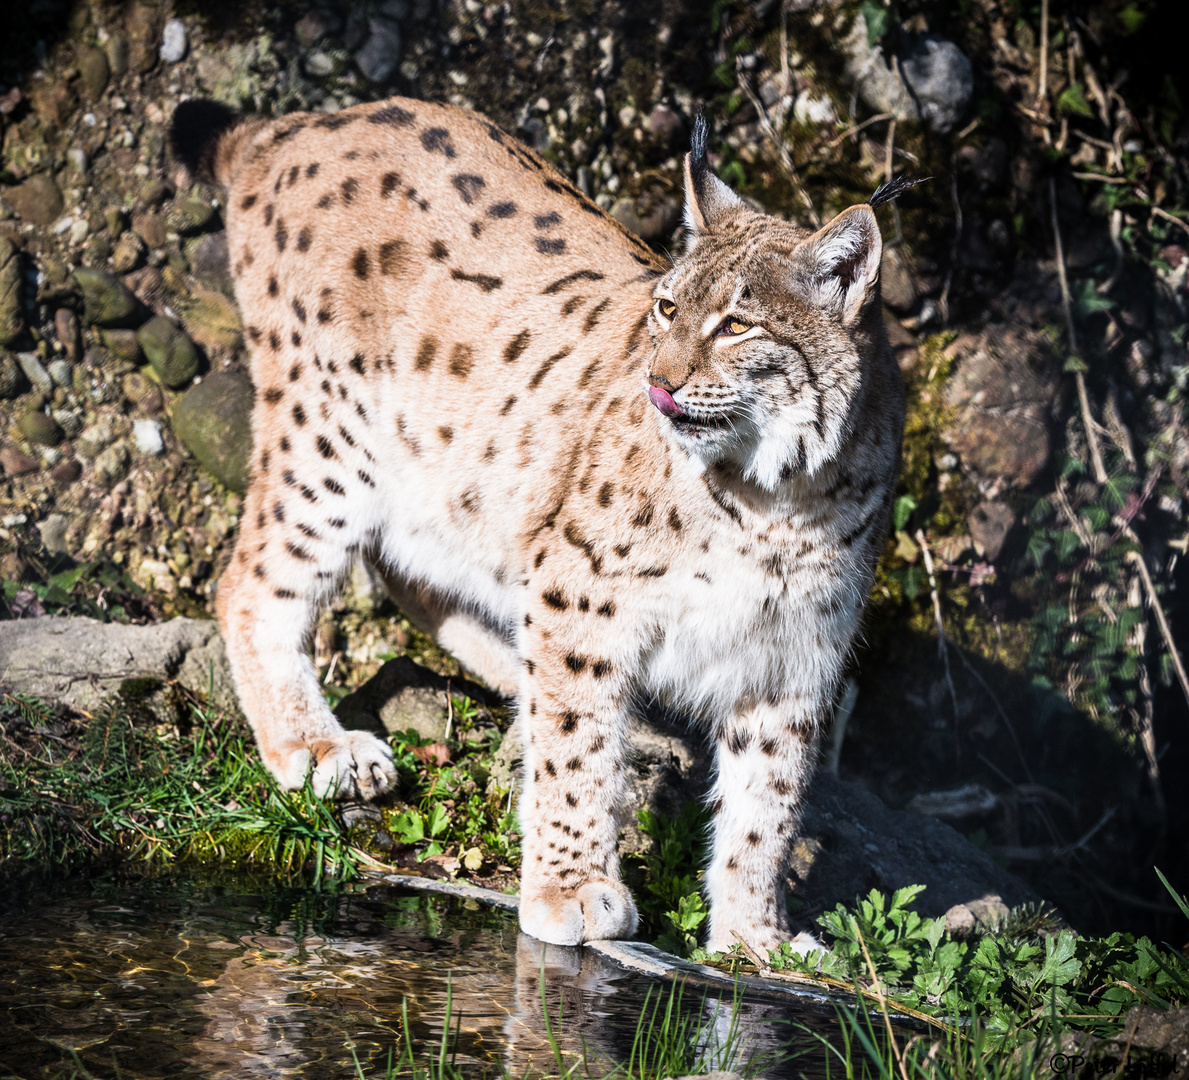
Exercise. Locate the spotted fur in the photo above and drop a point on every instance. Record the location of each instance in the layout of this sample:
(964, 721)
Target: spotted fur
(593, 476)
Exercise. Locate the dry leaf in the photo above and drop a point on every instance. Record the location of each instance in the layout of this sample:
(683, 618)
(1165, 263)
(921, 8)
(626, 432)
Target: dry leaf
(434, 754)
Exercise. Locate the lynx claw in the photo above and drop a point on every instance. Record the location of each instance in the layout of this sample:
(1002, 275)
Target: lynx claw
(596, 910)
(352, 765)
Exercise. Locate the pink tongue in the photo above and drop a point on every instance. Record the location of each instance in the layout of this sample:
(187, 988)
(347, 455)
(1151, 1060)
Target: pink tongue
(663, 400)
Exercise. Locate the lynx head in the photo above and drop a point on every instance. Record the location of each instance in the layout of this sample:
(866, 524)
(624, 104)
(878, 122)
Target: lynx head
(761, 331)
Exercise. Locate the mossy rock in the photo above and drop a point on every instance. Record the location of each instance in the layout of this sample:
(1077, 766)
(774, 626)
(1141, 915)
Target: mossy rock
(213, 420)
(168, 348)
(40, 429)
(107, 300)
(12, 378)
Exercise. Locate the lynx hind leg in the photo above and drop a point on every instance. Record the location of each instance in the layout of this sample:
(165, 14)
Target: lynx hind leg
(466, 636)
(288, 559)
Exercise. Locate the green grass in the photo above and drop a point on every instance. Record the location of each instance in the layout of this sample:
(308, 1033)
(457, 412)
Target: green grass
(669, 1041)
(118, 783)
(115, 784)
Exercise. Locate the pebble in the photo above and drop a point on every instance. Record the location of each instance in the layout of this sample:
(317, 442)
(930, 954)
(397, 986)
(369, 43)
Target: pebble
(111, 465)
(16, 463)
(77, 157)
(35, 372)
(53, 533)
(66, 472)
(379, 55)
(173, 41)
(170, 351)
(147, 435)
(11, 379)
(107, 300)
(40, 429)
(79, 230)
(318, 65)
(61, 371)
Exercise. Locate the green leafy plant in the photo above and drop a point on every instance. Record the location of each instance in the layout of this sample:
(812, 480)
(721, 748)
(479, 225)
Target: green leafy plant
(1016, 978)
(671, 901)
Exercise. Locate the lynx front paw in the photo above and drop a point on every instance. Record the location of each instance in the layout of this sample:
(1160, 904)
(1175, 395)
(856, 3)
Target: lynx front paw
(596, 910)
(762, 940)
(350, 765)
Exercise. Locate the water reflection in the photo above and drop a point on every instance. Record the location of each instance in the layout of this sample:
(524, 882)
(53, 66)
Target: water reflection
(175, 978)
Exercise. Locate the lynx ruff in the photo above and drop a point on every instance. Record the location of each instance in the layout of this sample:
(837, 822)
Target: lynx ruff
(595, 477)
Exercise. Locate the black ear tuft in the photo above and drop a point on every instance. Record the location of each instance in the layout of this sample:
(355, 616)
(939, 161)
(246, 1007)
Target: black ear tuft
(194, 134)
(697, 148)
(893, 189)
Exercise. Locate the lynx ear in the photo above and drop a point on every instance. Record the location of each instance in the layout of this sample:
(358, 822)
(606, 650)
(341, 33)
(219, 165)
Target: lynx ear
(707, 198)
(837, 268)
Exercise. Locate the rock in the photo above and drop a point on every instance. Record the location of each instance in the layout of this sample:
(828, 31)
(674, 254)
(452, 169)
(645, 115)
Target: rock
(210, 262)
(315, 25)
(318, 64)
(143, 392)
(147, 436)
(989, 525)
(651, 217)
(150, 226)
(961, 919)
(403, 695)
(53, 533)
(37, 199)
(66, 472)
(94, 71)
(174, 357)
(122, 344)
(77, 159)
(850, 842)
(79, 661)
(1002, 389)
(1163, 1030)
(17, 463)
(66, 329)
(12, 378)
(211, 319)
(12, 315)
(379, 55)
(35, 372)
(934, 83)
(897, 288)
(61, 372)
(665, 125)
(191, 215)
(111, 465)
(107, 300)
(116, 50)
(53, 101)
(213, 420)
(40, 429)
(94, 438)
(173, 41)
(128, 254)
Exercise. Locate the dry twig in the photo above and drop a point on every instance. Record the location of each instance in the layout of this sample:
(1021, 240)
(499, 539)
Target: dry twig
(1079, 376)
(1166, 631)
(883, 1005)
(943, 653)
(786, 159)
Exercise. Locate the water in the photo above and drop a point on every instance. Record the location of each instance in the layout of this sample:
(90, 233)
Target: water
(179, 978)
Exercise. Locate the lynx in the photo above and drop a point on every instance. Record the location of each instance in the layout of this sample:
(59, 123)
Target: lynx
(596, 477)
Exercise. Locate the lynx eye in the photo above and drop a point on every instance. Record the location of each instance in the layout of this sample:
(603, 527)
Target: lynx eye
(733, 327)
(667, 308)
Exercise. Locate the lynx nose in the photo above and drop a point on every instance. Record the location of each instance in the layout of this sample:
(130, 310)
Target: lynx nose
(663, 400)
